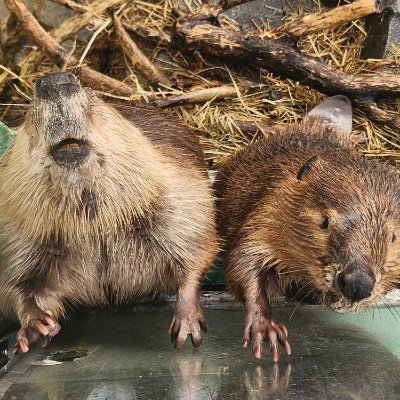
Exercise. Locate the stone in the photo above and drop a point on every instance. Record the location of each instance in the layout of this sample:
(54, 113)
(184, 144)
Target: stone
(383, 30)
(259, 12)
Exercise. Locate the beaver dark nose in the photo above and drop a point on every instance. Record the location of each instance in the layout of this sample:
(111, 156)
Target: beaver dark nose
(53, 86)
(355, 283)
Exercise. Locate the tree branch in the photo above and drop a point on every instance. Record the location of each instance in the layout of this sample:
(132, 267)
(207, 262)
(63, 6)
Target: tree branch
(56, 53)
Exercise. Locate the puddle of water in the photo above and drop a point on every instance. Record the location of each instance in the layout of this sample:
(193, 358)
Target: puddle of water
(127, 355)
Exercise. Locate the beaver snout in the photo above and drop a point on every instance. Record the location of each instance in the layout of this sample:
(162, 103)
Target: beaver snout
(56, 85)
(70, 152)
(355, 283)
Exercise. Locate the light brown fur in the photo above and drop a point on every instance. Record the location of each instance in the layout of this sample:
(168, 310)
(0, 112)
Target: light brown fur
(134, 219)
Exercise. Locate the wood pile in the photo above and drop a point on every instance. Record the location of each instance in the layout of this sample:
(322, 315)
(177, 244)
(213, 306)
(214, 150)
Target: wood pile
(231, 84)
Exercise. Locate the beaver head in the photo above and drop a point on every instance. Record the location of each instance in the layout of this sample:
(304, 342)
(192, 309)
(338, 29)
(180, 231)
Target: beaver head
(82, 160)
(61, 111)
(345, 214)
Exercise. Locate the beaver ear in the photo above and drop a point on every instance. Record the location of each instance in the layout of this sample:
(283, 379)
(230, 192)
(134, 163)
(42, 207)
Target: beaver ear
(335, 111)
(306, 168)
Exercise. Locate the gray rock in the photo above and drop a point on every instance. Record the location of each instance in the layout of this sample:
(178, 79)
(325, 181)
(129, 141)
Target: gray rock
(383, 30)
(261, 11)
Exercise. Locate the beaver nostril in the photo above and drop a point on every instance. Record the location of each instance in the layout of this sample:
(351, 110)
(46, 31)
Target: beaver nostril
(355, 285)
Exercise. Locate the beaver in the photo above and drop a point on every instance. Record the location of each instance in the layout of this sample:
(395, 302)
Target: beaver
(101, 206)
(301, 214)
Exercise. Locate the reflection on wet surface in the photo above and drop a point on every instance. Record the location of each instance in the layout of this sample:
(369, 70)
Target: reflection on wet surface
(126, 354)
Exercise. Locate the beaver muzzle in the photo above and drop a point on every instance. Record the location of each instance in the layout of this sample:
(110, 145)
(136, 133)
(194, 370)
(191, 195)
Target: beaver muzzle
(61, 103)
(51, 87)
(70, 152)
(355, 282)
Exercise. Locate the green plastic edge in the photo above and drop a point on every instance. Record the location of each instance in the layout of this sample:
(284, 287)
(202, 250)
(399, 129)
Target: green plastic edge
(6, 138)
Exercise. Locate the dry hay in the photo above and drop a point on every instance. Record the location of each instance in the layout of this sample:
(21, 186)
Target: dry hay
(260, 96)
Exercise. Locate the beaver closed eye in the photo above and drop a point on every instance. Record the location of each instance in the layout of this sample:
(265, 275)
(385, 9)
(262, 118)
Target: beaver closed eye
(302, 214)
(100, 207)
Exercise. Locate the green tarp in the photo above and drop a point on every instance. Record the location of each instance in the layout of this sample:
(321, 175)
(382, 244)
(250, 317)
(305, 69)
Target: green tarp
(6, 138)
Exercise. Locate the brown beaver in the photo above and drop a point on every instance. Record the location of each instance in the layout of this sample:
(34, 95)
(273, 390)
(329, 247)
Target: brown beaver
(98, 210)
(303, 213)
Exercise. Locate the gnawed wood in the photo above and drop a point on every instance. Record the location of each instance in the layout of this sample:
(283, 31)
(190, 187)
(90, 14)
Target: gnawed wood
(328, 19)
(197, 96)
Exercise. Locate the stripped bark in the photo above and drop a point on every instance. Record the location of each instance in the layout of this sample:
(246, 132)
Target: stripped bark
(197, 96)
(327, 19)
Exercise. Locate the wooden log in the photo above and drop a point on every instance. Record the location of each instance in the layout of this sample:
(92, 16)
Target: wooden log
(197, 32)
(197, 96)
(44, 41)
(327, 19)
(282, 59)
(137, 57)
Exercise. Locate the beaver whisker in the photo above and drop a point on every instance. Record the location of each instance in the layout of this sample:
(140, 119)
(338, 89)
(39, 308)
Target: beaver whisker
(385, 301)
(301, 300)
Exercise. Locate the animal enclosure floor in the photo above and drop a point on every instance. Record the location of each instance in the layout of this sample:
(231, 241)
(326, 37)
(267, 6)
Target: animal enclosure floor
(126, 355)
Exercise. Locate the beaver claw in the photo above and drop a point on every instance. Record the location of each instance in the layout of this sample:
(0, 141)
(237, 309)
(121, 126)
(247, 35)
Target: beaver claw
(183, 325)
(259, 329)
(38, 330)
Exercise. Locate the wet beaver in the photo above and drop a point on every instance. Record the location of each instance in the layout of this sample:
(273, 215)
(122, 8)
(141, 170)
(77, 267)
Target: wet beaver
(303, 213)
(98, 210)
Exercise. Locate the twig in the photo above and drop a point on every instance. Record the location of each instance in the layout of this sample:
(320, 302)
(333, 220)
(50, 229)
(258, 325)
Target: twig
(145, 33)
(252, 127)
(67, 30)
(44, 41)
(377, 114)
(96, 80)
(327, 19)
(198, 96)
(137, 57)
(38, 35)
(92, 39)
(72, 5)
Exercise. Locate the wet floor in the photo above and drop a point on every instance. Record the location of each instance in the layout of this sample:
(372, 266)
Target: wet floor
(126, 354)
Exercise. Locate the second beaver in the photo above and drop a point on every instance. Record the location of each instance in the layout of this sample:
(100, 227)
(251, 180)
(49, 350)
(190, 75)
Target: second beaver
(100, 208)
(302, 213)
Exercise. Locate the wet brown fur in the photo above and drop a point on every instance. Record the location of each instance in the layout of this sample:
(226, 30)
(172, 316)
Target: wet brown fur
(136, 218)
(272, 197)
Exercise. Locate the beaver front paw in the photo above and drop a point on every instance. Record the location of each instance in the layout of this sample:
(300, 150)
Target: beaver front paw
(258, 328)
(38, 329)
(191, 324)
